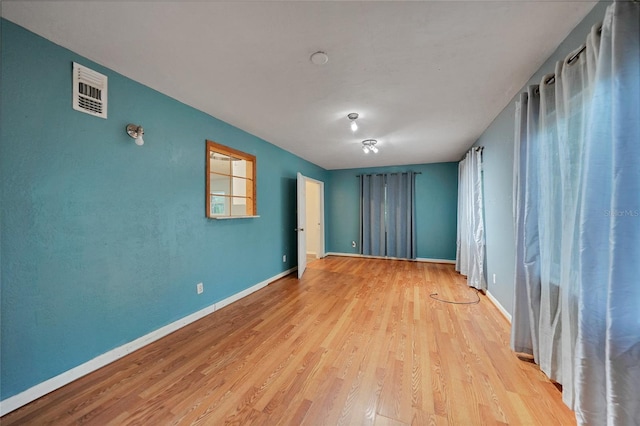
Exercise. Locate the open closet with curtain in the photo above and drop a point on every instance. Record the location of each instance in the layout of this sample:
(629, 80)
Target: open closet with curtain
(387, 215)
(577, 223)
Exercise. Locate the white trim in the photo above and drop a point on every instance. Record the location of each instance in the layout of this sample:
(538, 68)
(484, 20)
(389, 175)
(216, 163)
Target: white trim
(244, 293)
(35, 392)
(426, 259)
(333, 253)
(418, 259)
(234, 217)
(501, 308)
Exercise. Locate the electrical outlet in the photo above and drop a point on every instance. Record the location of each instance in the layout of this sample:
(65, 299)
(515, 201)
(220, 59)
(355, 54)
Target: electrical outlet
(494, 278)
(353, 243)
(284, 257)
(199, 288)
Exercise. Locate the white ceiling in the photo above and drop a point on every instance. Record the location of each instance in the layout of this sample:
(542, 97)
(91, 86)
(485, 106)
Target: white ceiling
(427, 78)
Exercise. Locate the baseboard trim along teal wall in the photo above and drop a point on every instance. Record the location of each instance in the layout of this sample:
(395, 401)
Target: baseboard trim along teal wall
(13, 403)
(419, 259)
(424, 259)
(103, 241)
(436, 208)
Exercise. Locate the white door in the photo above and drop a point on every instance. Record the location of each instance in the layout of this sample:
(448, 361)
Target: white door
(302, 218)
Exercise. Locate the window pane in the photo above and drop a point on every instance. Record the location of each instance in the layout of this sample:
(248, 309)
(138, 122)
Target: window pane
(219, 163)
(220, 205)
(220, 184)
(239, 167)
(239, 187)
(239, 206)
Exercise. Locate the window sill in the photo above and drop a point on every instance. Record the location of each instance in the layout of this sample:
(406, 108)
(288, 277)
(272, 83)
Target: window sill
(233, 217)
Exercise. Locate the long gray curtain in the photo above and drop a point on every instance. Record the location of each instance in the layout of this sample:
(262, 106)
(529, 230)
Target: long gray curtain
(387, 211)
(608, 249)
(372, 206)
(401, 226)
(577, 223)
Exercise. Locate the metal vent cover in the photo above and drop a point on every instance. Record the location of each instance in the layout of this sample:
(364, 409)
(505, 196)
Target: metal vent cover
(89, 91)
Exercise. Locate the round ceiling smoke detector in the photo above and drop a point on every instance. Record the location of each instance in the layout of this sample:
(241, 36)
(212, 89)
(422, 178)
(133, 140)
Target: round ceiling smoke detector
(319, 58)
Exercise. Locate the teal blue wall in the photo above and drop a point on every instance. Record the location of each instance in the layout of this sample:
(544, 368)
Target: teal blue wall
(498, 173)
(436, 208)
(103, 241)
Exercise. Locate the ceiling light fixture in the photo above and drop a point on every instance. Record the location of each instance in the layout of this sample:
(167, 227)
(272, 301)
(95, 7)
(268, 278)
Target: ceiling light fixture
(136, 133)
(353, 117)
(369, 145)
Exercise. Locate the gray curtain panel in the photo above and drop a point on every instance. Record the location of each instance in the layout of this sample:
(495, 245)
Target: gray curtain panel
(387, 215)
(401, 240)
(372, 206)
(577, 223)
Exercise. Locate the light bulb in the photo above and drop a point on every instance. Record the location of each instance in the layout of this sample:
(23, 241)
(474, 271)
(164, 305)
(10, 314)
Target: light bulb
(374, 149)
(354, 126)
(139, 140)
(365, 149)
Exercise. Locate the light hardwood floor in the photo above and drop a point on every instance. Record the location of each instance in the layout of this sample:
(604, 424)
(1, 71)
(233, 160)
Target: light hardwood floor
(356, 341)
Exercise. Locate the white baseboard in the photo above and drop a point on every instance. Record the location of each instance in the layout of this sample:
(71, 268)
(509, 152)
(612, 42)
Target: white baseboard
(419, 259)
(244, 293)
(41, 389)
(426, 259)
(501, 308)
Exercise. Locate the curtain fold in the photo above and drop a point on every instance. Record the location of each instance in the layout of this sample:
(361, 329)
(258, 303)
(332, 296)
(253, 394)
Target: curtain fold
(577, 222)
(387, 207)
(608, 344)
(526, 306)
(470, 244)
(372, 208)
(400, 215)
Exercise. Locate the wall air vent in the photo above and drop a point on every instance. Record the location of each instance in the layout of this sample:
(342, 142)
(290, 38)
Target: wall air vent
(89, 91)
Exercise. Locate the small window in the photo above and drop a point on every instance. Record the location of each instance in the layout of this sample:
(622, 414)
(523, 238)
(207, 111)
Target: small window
(231, 182)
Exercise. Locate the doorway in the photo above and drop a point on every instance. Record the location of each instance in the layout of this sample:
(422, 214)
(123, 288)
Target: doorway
(314, 250)
(310, 221)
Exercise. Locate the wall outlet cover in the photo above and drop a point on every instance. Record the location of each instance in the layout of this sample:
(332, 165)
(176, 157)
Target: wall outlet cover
(199, 288)
(284, 257)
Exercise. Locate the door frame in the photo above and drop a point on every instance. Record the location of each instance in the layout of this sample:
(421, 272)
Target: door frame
(322, 253)
(320, 183)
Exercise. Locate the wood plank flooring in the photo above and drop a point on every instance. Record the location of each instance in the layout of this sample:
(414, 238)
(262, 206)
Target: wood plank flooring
(355, 342)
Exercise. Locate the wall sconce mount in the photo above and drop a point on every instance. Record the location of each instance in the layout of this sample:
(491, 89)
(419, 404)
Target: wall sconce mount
(136, 133)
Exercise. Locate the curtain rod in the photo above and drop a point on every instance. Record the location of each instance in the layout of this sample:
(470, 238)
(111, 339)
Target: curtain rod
(477, 148)
(552, 78)
(473, 148)
(394, 173)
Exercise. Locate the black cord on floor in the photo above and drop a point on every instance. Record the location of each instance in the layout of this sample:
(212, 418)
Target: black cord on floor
(475, 302)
